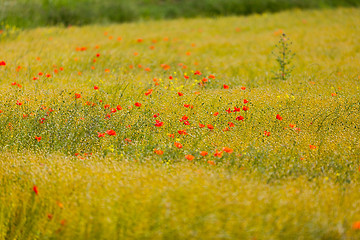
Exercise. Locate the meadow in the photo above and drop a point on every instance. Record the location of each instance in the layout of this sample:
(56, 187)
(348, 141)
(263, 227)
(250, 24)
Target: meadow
(178, 129)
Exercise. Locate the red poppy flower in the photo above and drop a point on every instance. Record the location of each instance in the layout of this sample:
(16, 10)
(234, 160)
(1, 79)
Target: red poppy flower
(111, 132)
(180, 94)
(245, 108)
(101, 134)
(312, 146)
(2, 63)
(245, 101)
(158, 123)
(211, 76)
(36, 190)
(236, 109)
(189, 157)
(38, 138)
(210, 126)
(137, 104)
(197, 73)
(243, 88)
(215, 114)
(266, 133)
(183, 132)
(118, 107)
(226, 86)
(96, 87)
(228, 110)
(201, 125)
(113, 110)
(184, 118)
(186, 123)
(240, 118)
(186, 77)
(278, 117)
(231, 124)
(77, 95)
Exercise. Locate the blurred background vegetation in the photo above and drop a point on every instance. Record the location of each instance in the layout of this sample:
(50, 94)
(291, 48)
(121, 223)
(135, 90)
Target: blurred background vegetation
(33, 13)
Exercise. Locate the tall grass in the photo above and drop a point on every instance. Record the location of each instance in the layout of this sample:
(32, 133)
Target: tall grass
(104, 130)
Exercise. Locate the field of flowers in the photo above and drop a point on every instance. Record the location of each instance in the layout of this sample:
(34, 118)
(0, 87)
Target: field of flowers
(178, 130)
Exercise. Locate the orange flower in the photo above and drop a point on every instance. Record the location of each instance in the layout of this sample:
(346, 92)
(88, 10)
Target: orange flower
(189, 157)
(226, 129)
(218, 153)
(211, 76)
(243, 88)
(148, 92)
(38, 138)
(245, 108)
(211, 163)
(203, 153)
(107, 70)
(178, 145)
(312, 146)
(210, 126)
(231, 124)
(77, 95)
(356, 225)
(228, 150)
(215, 114)
(201, 125)
(158, 152)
